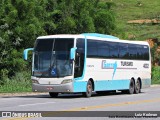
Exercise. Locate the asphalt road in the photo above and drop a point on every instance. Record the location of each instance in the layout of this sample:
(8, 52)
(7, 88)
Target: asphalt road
(147, 100)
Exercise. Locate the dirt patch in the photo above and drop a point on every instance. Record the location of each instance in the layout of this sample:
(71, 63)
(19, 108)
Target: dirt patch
(144, 21)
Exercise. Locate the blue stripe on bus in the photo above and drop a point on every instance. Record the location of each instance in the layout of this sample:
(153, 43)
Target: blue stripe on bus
(79, 86)
(102, 85)
(111, 85)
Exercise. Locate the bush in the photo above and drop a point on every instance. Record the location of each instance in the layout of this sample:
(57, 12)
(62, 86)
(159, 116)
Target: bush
(156, 75)
(21, 82)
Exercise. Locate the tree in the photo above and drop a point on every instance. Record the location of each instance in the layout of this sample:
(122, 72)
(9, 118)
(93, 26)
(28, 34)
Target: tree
(18, 29)
(22, 21)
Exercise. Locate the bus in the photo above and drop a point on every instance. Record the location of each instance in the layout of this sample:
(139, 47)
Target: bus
(89, 62)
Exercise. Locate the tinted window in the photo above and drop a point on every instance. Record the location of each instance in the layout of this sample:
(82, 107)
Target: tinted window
(103, 49)
(116, 50)
(92, 48)
(44, 45)
(56, 44)
(113, 49)
(80, 45)
(132, 50)
(67, 44)
(79, 61)
(146, 52)
(123, 51)
(142, 52)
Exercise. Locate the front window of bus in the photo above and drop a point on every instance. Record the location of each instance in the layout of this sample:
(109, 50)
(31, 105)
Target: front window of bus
(51, 57)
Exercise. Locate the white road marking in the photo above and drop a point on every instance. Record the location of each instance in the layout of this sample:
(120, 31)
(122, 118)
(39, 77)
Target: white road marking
(35, 104)
(5, 99)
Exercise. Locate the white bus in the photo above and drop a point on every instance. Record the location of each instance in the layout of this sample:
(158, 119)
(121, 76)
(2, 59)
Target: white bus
(89, 62)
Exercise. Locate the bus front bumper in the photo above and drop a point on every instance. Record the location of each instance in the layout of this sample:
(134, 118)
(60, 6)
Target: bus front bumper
(60, 88)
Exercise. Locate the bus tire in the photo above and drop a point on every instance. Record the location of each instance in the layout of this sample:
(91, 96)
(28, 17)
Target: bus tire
(53, 94)
(131, 87)
(89, 89)
(137, 88)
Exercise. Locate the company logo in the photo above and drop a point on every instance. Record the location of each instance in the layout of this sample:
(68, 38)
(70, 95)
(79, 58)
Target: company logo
(6, 114)
(109, 65)
(20, 114)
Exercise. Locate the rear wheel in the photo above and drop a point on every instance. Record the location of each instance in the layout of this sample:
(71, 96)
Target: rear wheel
(137, 88)
(131, 87)
(53, 94)
(89, 89)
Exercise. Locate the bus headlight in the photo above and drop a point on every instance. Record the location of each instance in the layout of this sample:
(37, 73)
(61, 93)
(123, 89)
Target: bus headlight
(35, 81)
(66, 81)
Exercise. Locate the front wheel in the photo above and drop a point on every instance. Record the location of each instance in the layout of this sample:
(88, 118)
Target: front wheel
(89, 89)
(53, 94)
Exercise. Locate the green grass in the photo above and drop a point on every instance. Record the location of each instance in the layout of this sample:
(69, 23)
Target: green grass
(134, 10)
(20, 83)
(156, 75)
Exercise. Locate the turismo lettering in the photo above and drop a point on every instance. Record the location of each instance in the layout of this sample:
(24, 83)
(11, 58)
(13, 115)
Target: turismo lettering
(125, 63)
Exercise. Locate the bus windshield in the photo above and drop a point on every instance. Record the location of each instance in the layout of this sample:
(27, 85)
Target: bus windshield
(51, 57)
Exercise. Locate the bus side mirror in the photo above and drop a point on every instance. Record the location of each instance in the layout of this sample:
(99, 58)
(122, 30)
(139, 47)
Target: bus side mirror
(25, 53)
(72, 53)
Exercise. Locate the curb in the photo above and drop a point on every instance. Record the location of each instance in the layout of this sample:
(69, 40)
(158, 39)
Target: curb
(156, 85)
(22, 94)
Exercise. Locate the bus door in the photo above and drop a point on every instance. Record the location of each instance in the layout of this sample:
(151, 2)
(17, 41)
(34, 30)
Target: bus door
(79, 59)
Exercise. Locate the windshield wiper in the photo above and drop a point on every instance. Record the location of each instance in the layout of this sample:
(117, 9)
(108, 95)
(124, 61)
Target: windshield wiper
(53, 68)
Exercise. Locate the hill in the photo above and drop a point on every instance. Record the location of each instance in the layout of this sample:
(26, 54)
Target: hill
(139, 10)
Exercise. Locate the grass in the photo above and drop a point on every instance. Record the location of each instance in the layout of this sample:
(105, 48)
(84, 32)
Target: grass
(135, 10)
(156, 75)
(20, 83)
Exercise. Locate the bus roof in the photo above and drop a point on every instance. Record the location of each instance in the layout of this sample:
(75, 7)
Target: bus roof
(76, 35)
(92, 36)
(100, 35)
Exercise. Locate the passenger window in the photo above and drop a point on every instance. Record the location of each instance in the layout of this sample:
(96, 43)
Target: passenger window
(113, 46)
(132, 50)
(123, 51)
(103, 49)
(143, 52)
(92, 48)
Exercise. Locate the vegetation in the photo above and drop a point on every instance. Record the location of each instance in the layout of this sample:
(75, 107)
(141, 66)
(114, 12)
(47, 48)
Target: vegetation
(18, 83)
(156, 75)
(21, 21)
(127, 10)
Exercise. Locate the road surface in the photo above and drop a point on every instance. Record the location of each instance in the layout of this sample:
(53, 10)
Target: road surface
(147, 100)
